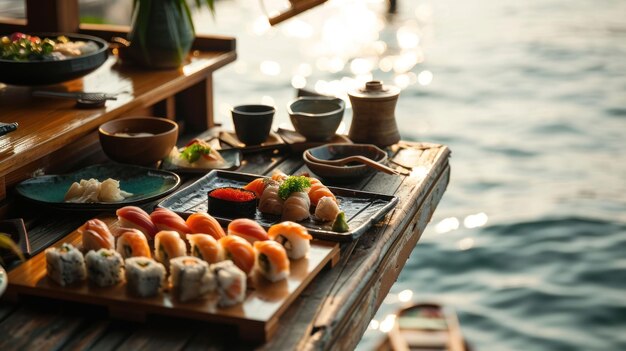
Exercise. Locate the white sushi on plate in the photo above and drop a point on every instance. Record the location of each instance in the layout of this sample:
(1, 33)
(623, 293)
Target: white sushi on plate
(191, 278)
(145, 277)
(231, 283)
(104, 267)
(65, 265)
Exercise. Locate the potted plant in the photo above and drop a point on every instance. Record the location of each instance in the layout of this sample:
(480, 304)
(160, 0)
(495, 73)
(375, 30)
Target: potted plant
(162, 31)
(8, 244)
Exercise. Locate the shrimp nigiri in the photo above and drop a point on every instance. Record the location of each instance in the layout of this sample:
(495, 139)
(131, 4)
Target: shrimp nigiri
(239, 251)
(247, 229)
(133, 243)
(96, 235)
(257, 186)
(165, 219)
(319, 190)
(204, 223)
(205, 247)
(135, 217)
(167, 245)
(272, 260)
(293, 236)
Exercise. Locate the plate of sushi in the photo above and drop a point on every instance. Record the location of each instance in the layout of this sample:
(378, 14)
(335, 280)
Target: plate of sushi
(160, 263)
(200, 156)
(99, 187)
(328, 213)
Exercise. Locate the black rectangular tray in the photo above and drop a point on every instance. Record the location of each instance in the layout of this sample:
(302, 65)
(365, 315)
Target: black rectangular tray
(363, 209)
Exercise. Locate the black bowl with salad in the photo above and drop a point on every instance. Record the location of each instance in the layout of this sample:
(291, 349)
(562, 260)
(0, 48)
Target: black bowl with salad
(49, 58)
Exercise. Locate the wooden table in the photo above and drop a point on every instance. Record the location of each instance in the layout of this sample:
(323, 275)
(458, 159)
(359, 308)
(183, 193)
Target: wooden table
(332, 313)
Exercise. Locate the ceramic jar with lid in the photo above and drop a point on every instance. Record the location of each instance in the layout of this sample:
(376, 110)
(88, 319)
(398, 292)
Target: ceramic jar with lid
(373, 119)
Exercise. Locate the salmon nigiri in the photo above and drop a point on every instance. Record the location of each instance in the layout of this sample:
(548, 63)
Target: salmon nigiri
(96, 235)
(272, 260)
(167, 245)
(293, 236)
(257, 186)
(319, 190)
(239, 251)
(133, 243)
(135, 217)
(204, 223)
(205, 247)
(247, 229)
(165, 219)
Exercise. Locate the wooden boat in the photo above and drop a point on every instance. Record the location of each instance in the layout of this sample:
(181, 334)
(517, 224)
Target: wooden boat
(425, 327)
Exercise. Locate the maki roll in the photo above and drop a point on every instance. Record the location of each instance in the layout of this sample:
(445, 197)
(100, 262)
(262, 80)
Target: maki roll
(145, 277)
(167, 245)
(270, 201)
(239, 251)
(104, 267)
(293, 237)
(165, 219)
(65, 265)
(205, 247)
(136, 218)
(96, 235)
(327, 208)
(230, 282)
(190, 277)
(232, 202)
(247, 229)
(272, 261)
(203, 223)
(133, 243)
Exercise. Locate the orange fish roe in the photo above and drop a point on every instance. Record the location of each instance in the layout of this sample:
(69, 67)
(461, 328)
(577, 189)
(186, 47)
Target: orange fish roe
(233, 194)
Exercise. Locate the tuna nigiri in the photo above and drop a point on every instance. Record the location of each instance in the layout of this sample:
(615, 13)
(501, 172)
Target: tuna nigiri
(272, 260)
(293, 237)
(165, 219)
(133, 243)
(167, 245)
(239, 251)
(204, 223)
(257, 186)
(135, 217)
(319, 190)
(247, 229)
(96, 235)
(205, 247)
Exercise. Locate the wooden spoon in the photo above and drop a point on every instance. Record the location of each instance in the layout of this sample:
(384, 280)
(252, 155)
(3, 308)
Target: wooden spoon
(360, 159)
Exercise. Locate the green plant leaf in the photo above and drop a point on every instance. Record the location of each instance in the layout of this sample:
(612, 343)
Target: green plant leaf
(7, 243)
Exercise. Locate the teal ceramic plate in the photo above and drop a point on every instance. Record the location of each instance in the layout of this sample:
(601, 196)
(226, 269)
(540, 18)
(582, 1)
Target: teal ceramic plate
(231, 156)
(145, 184)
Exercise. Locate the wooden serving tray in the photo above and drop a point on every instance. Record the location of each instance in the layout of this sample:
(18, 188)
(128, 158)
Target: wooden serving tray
(256, 318)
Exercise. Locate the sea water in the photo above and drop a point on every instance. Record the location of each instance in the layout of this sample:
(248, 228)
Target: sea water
(529, 241)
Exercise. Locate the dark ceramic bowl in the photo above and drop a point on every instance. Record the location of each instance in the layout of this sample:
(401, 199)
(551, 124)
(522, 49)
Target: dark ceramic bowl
(52, 72)
(315, 117)
(138, 150)
(337, 151)
(253, 123)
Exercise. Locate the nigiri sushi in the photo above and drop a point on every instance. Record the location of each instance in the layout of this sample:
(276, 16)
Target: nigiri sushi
(293, 236)
(296, 207)
(270, 201)
(257, 186)
(167, 245)
(165, 219)
(204, 223)
(326, 209)
(205, 247)
(96, 235)
(272, 261)
(133, 243)
(135, 217)
(279, 175)
(231, 283)
(191, 278)
(247, 229)
(239, 251)
(319, 190)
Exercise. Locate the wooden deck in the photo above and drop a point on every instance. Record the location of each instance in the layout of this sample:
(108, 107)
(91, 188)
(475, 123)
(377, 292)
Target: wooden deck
(332, 313)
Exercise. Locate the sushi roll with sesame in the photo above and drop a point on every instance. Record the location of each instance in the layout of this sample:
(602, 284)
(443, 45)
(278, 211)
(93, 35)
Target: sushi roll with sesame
(293, 236)
(104, 267)
(190, 277)
(230, 282)
(272, 261)
(145, 277)
(65, 265)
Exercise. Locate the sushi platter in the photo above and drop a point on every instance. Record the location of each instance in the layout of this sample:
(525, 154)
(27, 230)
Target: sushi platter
(255, 313)
(362, 209)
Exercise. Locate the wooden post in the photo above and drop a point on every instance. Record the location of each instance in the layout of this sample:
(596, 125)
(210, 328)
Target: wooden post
(52, 16)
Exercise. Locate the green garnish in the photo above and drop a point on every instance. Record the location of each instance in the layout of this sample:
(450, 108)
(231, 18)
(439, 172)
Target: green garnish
(193, 152)
(293, 184)
(340, 225)
(105, 253)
